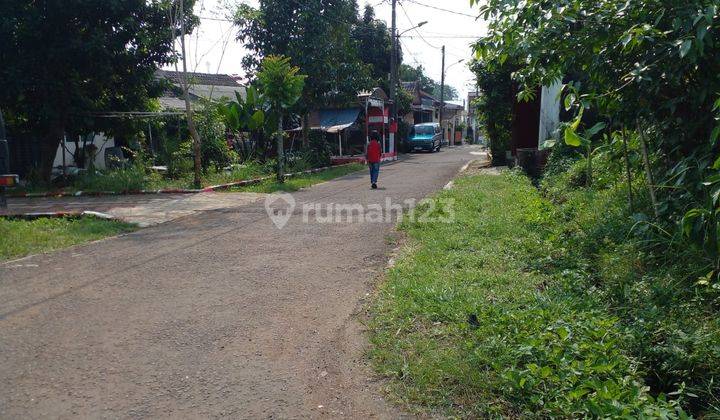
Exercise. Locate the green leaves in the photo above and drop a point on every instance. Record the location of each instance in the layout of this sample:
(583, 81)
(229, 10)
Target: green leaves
(685, 47)
(246, 115)
(280, 82)
(572, 138)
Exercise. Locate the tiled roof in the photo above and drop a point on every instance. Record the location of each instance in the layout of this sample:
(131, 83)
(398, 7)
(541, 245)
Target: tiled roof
(199, 78)
(409, 86)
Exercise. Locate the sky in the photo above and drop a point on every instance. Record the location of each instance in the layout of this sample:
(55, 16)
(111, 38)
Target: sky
(212, 48)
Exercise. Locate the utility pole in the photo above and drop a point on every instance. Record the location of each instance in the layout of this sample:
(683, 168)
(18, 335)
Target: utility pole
(394, 63)
(442, 92)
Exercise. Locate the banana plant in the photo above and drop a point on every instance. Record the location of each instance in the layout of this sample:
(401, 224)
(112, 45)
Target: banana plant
(572, 138)
(250, 117)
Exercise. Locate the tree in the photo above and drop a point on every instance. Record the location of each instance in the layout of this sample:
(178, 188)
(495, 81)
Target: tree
(648, 70)
(63, 61)
(427, 84)
(494, 106)
(374, 46)
(177, 19)
(282, 86)
(314, 35)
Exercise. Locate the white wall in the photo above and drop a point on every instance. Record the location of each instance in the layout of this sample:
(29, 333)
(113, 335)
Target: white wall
(100, 141)
(549, 111)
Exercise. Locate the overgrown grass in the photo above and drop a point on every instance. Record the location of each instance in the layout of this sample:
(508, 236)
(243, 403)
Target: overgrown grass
(495, 314)
(136, 177)
(19, 238)
(301, 181)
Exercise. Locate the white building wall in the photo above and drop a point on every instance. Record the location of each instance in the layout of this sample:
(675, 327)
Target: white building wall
(549, 111)
(100, 141)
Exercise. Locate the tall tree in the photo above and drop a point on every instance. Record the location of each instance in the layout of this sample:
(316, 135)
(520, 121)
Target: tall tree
(282, 86)
(410, 74)
(374, 46)
(63, 60)
(314, 35)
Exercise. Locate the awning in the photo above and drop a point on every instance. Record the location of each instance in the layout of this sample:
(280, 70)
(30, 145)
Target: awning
(336, 120)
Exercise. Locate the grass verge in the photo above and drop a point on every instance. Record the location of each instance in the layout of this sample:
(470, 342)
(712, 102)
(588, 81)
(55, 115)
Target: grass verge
(472, 322)
(301, 181)
(135, 178)
(19, 238)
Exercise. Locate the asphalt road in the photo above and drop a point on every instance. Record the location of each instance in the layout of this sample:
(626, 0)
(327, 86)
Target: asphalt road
(219, 314)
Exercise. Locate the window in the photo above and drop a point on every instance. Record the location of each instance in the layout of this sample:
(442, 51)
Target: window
(423, 129)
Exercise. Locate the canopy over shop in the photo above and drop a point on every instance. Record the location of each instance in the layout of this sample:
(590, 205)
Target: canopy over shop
(348, 130)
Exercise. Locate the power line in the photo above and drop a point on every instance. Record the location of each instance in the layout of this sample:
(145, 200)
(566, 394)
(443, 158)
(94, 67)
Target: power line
(417, 31)
(414, 57)
(442, 9)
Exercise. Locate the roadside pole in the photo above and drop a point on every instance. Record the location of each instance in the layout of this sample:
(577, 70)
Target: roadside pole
(4, 160)
(394, 63)
(442, 92)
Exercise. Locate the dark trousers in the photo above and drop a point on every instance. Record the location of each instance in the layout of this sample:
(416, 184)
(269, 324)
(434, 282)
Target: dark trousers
(374, 172)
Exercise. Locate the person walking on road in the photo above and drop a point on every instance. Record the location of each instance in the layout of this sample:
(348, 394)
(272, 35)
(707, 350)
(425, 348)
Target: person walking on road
(373, 159)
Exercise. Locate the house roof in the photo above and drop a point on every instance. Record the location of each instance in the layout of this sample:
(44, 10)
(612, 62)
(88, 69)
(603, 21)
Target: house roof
(409, 86)
(206, 79)
(202, 85)
(377, 93)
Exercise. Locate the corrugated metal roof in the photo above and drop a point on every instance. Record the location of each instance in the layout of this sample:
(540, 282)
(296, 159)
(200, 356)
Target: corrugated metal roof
(334, 120)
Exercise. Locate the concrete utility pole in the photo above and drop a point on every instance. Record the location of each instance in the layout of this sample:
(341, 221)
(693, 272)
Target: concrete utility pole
(393, 62)
(442, 92)
(4, 160)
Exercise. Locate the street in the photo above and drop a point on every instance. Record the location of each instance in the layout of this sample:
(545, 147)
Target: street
(218, 313)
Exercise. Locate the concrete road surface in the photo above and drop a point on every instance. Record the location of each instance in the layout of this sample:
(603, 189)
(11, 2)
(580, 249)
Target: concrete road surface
(218, 314)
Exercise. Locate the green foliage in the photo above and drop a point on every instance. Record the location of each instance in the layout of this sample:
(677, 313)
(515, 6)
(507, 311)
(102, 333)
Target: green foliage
(374, 47)
(495, 313)
(494, 106)
(318, 152)
(127, 179)
(280, 82)
(96, 55)
(19, 238)
(301, 181)
(316, 37)
(410, 74)
(648, 67)
(214, 150)
(649, 279)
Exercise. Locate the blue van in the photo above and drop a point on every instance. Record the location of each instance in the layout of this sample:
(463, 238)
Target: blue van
(427, 136)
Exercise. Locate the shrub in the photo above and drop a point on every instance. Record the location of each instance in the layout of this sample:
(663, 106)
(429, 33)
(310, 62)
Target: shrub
(498, 313)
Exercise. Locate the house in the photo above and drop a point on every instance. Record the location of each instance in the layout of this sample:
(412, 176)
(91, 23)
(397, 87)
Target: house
(533, 123)
(100, 149)
(425, 107)
(472, 117)
(453, 116)
(348, 129)
(202, 86)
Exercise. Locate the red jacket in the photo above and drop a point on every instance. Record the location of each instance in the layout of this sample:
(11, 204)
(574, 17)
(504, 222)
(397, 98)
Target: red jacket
(373, 152)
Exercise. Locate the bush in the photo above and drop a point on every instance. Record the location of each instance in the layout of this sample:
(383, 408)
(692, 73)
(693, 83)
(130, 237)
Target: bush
(498, 313)
(214, 147)
(132, 178)
(319, 152)
(647, 277)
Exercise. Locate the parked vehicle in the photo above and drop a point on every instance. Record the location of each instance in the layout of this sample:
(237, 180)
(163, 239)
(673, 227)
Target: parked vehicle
(426, 136)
